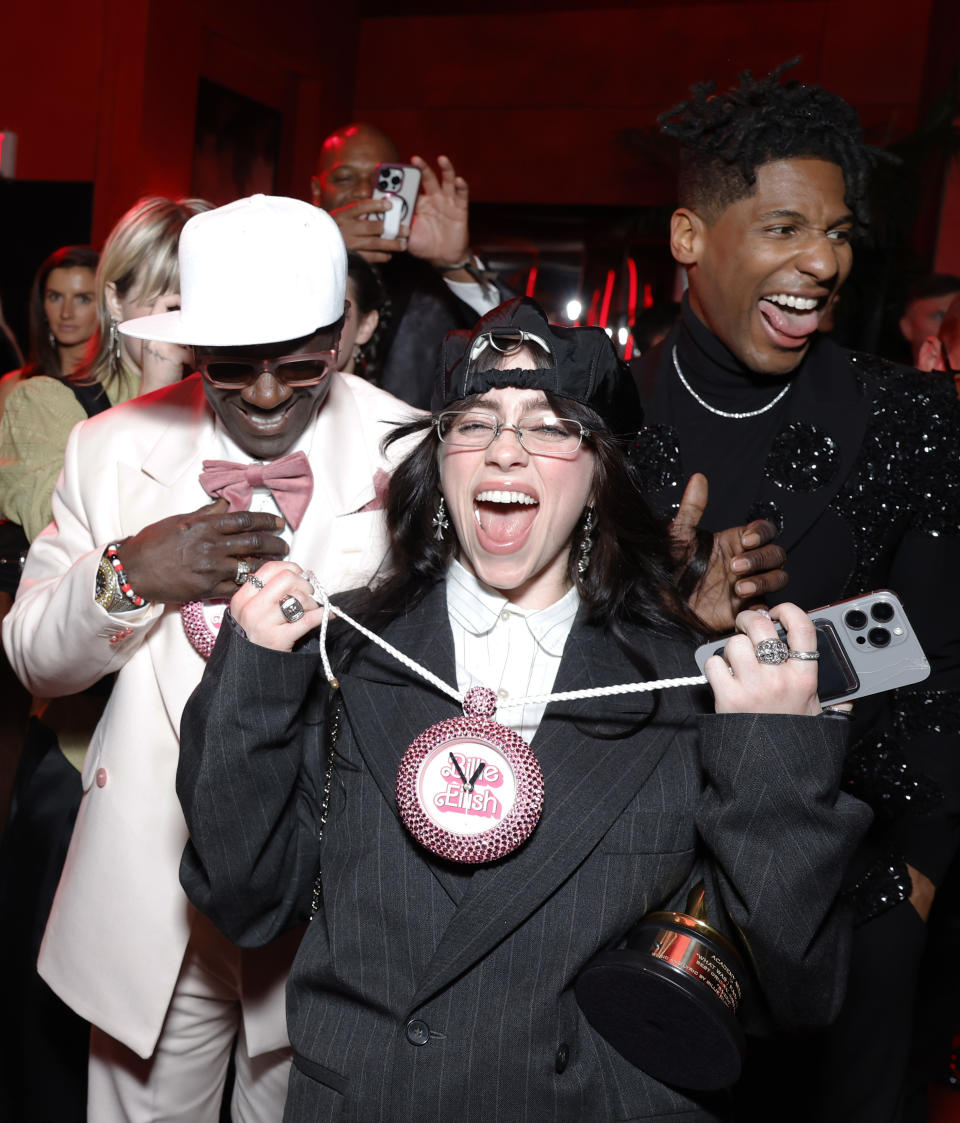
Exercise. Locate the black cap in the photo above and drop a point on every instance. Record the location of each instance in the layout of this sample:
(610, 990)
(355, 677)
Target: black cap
(583, 364)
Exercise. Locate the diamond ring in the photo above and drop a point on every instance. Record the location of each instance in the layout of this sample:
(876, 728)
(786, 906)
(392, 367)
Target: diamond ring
(772, 652)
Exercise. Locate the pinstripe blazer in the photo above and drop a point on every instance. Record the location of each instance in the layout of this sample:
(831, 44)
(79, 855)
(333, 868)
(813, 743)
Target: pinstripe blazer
(427, 991)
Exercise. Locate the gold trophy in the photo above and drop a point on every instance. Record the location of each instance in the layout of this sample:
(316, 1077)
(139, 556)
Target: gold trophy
(668, 1001)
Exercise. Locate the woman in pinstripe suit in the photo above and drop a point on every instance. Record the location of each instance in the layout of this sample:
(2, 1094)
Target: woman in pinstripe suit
(427, 989)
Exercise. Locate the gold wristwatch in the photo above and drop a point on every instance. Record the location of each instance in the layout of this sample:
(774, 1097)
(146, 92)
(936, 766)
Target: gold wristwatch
(107, 592)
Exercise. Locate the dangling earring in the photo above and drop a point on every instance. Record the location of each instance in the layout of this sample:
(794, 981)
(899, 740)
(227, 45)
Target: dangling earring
(114, 344)
(440, 520)
(586, 542)
(52, 338)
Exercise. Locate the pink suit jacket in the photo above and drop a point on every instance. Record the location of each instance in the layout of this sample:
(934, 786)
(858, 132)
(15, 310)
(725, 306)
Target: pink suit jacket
(120, 922)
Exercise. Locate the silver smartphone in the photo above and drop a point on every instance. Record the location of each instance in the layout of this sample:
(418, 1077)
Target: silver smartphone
(866, 645)
(400, 183)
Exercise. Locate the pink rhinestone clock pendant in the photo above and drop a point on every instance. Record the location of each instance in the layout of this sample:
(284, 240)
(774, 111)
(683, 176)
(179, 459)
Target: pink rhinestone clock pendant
(469, 789)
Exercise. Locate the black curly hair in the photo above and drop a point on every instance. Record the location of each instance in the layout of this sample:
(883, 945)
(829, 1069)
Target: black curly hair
(725, 137)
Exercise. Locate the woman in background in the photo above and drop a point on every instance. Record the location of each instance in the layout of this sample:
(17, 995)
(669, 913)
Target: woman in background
(137, 275)
(43, 1044)
(365, 320)
(63, 316)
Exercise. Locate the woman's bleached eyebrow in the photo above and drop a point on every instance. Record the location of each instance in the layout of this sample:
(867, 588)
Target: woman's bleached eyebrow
(536, 400)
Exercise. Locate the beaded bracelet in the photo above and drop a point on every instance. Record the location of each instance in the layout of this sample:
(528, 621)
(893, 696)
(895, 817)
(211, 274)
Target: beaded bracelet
(125, 587)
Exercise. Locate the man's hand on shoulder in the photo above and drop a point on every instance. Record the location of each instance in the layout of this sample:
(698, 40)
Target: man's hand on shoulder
(743, 565)
(194, 556)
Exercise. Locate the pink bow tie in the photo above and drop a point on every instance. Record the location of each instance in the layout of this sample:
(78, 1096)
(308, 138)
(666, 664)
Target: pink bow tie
(289, 479)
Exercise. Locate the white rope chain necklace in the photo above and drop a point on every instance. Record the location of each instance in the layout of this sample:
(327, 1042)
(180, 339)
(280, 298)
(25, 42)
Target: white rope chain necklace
(730, 416)
(532, 699)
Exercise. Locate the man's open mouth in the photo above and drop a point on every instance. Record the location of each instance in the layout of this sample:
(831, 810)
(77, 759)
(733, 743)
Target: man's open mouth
(791, 318)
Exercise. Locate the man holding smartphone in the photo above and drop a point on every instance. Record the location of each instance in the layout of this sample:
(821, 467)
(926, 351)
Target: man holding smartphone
(434, 282)
(858, 464)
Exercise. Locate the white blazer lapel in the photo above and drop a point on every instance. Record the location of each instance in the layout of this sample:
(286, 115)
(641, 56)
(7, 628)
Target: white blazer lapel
(343, 454)
(343, 537)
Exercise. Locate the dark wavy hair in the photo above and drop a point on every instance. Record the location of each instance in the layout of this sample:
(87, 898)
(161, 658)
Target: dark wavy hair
(371, 296)
(725, 137)
(630, 577)
(43, 357)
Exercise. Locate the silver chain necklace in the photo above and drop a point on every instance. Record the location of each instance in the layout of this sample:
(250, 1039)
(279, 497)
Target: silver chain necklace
(722, 412)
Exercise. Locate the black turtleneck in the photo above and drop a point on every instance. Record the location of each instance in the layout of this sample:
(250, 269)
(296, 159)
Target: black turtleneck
(730, 452)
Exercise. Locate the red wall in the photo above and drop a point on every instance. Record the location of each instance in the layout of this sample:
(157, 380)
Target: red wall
(49, 87)
(106, 91)
(533, 106)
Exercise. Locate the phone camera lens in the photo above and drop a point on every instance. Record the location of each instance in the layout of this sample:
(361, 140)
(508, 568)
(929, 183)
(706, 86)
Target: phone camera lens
(879, 637)
(856, 619)
(882, 611)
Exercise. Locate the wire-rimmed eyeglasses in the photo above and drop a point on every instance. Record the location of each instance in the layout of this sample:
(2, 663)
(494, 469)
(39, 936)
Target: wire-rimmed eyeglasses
(542, 434)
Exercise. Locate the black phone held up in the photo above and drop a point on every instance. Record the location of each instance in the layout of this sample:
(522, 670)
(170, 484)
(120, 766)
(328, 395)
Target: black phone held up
(866, 645)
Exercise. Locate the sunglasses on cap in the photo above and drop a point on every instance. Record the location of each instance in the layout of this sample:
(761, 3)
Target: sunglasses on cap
(291, 370)
(505, 341)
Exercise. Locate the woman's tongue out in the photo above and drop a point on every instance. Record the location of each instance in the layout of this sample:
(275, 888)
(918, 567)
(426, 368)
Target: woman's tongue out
(504, 519)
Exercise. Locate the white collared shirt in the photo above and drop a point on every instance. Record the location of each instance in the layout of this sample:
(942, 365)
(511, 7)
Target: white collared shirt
(514, 651)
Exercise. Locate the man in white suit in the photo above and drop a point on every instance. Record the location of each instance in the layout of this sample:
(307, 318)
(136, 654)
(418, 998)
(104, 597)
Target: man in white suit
(126, 579)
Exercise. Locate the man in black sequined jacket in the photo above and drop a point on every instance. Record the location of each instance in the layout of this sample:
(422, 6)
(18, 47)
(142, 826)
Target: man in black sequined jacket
(857, 461)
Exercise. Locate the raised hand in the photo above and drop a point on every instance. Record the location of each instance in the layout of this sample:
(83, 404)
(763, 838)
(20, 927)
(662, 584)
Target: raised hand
(164, 363)
(440, 233)
(743, 564)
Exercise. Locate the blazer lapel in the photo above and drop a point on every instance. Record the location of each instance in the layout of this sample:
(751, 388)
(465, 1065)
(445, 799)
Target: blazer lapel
(388, 705)
(589, 780)
(175, 460)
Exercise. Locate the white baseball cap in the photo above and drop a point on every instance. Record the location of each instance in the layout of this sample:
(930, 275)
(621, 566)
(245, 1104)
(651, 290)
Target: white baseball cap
(260, 270)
